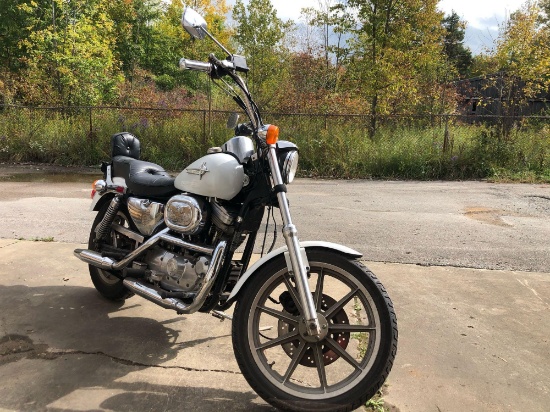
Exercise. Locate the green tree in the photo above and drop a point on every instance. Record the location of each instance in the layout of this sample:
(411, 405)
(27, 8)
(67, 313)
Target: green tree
(523, 49)
(70, 59)
(260, 36)
(133, 30)
(457, 53)
(396, 54)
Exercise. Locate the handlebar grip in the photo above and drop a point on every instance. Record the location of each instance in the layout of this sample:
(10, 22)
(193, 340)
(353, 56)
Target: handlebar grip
(195, 65)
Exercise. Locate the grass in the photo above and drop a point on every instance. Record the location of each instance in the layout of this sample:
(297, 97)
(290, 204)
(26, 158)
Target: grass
(339, 148)
(39, 239)
(376, 403)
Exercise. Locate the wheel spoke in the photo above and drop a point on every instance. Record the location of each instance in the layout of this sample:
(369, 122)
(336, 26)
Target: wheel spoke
(340, 304)
(320, 366)
(344, 327)
(293, 293)
(319, 290)
(278, 315)
(300, 351)
(342, 353)
(287, 337)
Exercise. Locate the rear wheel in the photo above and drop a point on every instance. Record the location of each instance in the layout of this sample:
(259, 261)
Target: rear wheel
(293, 371)
(106, 283)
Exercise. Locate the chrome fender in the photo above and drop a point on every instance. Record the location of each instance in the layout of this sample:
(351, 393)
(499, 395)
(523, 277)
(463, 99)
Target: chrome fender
(98, 199)
(344, 250)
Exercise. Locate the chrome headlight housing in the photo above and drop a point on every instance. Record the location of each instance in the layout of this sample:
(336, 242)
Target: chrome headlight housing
(288, 160)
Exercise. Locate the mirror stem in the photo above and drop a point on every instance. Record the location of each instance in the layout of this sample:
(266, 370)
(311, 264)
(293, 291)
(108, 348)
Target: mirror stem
(216, 41)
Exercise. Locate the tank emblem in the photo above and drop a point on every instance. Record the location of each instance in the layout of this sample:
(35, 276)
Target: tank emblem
(200, 172)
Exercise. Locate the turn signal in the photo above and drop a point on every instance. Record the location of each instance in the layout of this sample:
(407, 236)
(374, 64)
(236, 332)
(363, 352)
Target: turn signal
(272, 134)
(94, 191)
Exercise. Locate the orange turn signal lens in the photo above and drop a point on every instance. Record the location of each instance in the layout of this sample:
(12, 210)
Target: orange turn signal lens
(272, 134)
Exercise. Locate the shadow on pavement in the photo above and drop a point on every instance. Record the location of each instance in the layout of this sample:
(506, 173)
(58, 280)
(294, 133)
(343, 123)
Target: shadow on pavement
(65, 348)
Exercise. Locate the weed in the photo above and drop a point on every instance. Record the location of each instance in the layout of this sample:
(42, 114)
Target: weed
(376, 403)
(39, 239)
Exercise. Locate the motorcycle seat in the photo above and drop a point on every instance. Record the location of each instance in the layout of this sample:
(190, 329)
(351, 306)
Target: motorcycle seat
(143, 178)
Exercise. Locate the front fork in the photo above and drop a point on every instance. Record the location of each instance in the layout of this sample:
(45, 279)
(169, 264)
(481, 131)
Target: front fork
(297, 265)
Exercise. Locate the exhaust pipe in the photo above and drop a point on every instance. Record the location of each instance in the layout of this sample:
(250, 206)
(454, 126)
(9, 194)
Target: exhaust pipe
(150, 293)
(96, 259)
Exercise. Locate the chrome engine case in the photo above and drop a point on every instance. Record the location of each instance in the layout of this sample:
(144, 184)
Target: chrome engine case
(175, 272)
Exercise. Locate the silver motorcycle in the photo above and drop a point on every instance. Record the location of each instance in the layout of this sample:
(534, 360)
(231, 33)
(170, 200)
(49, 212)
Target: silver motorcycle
(312, 328)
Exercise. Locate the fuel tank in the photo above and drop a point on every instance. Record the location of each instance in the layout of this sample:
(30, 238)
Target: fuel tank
(218, 175)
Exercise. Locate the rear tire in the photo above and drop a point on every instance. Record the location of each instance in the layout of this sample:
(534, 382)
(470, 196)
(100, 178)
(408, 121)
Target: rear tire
(295, 373)
(107, 284)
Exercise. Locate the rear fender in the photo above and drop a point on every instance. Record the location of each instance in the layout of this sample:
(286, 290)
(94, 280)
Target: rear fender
(257, 266)
(100, 199)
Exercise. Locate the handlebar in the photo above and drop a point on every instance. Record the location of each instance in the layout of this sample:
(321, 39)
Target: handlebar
(195, 65)
(216, 69)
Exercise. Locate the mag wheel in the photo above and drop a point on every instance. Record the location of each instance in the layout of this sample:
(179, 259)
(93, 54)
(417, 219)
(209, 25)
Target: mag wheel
(341, 369)
(106, 283)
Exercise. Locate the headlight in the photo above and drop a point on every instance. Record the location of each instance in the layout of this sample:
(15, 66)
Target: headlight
(287, 152)
(289, 166)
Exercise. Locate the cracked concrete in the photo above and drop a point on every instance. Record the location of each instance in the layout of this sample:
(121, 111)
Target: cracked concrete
(469, 340)
(16, 347)
(66, 348)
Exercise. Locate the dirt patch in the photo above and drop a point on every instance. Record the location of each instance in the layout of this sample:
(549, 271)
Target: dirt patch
(487, 215)
(15, 347)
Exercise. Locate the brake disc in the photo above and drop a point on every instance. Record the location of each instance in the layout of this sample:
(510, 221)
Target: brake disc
(329, 356)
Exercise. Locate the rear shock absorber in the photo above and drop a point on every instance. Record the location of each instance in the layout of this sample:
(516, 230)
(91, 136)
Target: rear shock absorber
(103, 228)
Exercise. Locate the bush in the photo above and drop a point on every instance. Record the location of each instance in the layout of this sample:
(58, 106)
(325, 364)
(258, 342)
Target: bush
(330, 146)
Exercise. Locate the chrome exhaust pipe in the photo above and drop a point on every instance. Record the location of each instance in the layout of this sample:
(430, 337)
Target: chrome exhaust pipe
(150, 293)
(95, 259)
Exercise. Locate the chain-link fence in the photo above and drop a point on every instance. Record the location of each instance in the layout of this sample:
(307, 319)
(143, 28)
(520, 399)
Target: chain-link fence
(336, 145)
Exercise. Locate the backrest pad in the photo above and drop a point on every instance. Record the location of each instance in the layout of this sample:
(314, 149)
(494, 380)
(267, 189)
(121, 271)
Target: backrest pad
(125, 144)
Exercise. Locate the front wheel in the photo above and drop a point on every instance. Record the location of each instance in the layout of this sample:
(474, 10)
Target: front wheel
(339, 371)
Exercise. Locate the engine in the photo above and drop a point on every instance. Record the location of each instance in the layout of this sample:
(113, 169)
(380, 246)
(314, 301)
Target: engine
(196, 219)
(175, 272)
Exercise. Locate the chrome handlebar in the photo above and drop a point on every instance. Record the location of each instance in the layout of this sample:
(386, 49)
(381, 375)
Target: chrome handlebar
(195, 65)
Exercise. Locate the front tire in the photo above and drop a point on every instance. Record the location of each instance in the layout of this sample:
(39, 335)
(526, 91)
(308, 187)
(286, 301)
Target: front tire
(292, 371)
(105, 282)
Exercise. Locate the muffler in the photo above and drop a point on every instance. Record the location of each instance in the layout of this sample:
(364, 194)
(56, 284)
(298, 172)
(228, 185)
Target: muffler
(95, 259)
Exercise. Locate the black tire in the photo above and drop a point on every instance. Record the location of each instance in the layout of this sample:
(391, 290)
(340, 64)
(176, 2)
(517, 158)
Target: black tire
(340, 372)
(107, 284)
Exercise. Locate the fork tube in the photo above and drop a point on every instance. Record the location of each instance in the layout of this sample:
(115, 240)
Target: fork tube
(290, 234)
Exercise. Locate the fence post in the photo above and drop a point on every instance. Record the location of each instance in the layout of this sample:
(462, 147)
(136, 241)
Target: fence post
(91, 134)
(204, 128)
(446, 140)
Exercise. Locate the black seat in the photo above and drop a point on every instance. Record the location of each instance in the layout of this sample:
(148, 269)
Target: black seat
(142, 178)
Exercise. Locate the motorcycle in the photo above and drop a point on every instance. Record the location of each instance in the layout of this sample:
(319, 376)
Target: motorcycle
(312, 328)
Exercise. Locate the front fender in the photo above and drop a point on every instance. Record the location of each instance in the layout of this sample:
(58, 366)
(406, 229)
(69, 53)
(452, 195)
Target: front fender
(256, 267)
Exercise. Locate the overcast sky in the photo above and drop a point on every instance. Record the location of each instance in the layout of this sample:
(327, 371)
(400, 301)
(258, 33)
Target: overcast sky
(483, 16)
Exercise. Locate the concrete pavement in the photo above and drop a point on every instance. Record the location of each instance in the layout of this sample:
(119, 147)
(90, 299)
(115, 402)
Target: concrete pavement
(469, 340)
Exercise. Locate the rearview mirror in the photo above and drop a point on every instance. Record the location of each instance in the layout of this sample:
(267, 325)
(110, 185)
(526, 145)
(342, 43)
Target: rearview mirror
(233, 120)
(193, 23)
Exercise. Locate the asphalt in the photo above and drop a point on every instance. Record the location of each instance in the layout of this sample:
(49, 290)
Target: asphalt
(469, 339)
